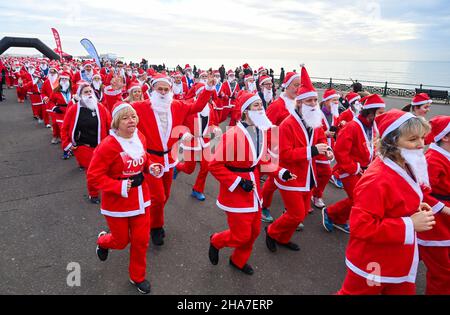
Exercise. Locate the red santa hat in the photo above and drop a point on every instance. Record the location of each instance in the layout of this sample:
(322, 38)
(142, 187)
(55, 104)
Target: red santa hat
(118, 107)
(202, 72)
(198, 88)
(187, 67)
(96, 74)
(177, 74)
(246, 66)
(141, 72)
(440, 127)
(215, 72)
(80, 85)
(246, 99)
(264, 79)
(230, 72)
(261, 69)
(373, 101)
(352, 97)
(151, 72)
(329, 94)
(64, 75)
(248, 77)
(88, 63)
(133, 86)
(290, 76)
(421, 99)
(306, 89)
(391, 120)
(160, 78)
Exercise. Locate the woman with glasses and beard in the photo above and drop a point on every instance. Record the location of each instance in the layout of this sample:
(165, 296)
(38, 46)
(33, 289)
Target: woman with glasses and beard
(85, 125)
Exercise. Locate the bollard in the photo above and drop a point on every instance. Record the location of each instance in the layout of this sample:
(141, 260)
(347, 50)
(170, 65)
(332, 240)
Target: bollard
(385, 89)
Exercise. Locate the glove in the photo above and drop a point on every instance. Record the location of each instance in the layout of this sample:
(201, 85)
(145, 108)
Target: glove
(286, 175)
(57, 110)
(137, 180)
(246, 185)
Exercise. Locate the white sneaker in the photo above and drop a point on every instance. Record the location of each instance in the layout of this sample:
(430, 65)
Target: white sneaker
(48, 126)
(54, 141)
(40, 121)
(318, 202)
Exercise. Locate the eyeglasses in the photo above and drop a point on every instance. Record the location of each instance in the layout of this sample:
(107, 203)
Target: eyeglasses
(161, 89)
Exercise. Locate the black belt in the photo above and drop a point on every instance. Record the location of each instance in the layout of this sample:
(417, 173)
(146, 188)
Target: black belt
(441, 197)
(61, 105)
(159, 153)
(240, 169)
(137, 179)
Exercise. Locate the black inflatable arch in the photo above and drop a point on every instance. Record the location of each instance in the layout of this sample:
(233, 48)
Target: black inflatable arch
(8, 42)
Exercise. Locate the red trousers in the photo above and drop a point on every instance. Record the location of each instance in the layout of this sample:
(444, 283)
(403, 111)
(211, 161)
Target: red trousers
(357, 285)
(323, 177)
(297, 205)
(21, 93)
(38, 111)
(134, 230)
(437, 261)
(45, 114)
(83, 154)
(268, 190)
(160, 193)
(243, 230)
(339, 212)
(57, 121)
(188, 167)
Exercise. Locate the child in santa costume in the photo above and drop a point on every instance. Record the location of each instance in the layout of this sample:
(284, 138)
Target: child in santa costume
(240, 157)
(161, 120)
(86, 124)
(302, 141)
(116, 170)
(382, 254)
(420, 105)
(354, 151)
(330, 111)
(434, 245)
(196, 144)
(277, 112)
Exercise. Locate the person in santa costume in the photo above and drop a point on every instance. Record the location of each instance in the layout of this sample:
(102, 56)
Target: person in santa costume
(354, 151)
(180, 89)
(117, 169)
(23, 77)
(104, 71)
(277, 112)
(142, 79)
(301, 142)
(50, 84)
(434, 245)
(250, 84)
(114, 93)
(382, 255)
(196, 144)
(330, 111)
(33, 88)
(420, 105)
(58, 103)
(353, 99)
(227, 96)
(97, 86)
(86, 73)
(266, 91)
(188, 77)
(161, 120)
(85, 125)
(134, 94)
(202, 78)
(240, 157)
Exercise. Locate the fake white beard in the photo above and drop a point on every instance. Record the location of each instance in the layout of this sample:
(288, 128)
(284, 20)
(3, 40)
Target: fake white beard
(202, 81)
(31, 70)
(129, 73)
(259, 119)
(52, 77)
(44, 67)
(97, 84)
(35, 80)
(231, 80)
(88, 74)
(141, 82)
(357, 106)
(312, 116)
(252, 86)
(177, 88)
(268, 95)
(335, 109)
(89, 101)
(64, 85)
(190, 75)
(133, 146)
(161, 103)
(418, 164)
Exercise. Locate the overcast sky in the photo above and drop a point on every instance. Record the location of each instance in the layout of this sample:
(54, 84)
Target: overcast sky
(269, 29)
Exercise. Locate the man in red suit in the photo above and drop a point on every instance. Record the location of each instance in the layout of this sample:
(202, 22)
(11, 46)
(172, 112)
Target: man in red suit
(161, 120)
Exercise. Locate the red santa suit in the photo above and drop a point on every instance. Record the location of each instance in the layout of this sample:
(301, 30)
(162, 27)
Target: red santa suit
(35, 98)
(47, 91)
(59, 100)
(237, 158)
(228, 99)
(434, 246)
(297, 155)
(84, 152)
(22, 78)
(112, 97)
(198, 148)
(160, 142)
(127, 213)
(354, 151)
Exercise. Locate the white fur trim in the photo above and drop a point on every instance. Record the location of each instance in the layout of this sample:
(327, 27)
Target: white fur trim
(281, 173)
(354, 99)
(236, 210)
(265, 80)
(210, 88)
(409, 231)
(438, 207)
(445, 243)
(124, 191)
(235, 184)
(295, 76)
(306, 95)
(376, 105)
(119, 108)
(249, 102)
(330, 97)
(161, 80)
(405, 117)
(443, 133)
(421, 103)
